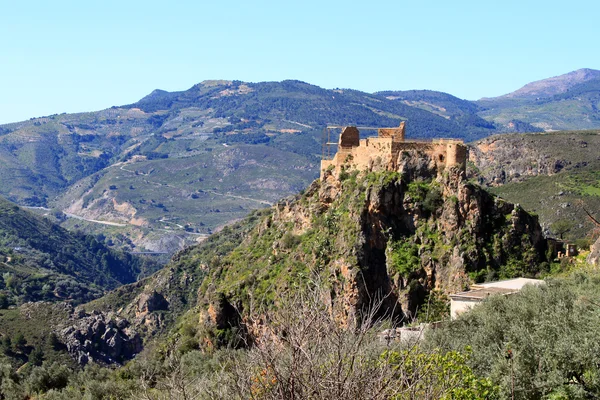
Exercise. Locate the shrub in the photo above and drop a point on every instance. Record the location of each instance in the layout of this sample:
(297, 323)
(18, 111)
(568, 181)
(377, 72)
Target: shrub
(315, 357)
(3, 301)
(290, 241)
(435, 308)
(19, 342)
(542, 340)
(403, 257)
(36, 357)
(433, 200)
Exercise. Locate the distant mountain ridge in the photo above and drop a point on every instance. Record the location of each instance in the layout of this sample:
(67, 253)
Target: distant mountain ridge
(443, 103)
(554, 85)
(185, 163)
(176, 165)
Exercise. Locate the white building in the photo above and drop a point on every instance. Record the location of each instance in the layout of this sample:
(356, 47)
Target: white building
(464, 301)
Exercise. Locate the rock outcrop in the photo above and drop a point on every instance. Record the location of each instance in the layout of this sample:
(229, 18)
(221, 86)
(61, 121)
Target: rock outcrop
(594, 257)
(501, 159)
(100, 338)
(388, 235)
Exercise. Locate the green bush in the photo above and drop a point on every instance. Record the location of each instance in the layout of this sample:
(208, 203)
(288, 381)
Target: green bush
(433, 200)
(36, 357)
(435, 308)
(290, 241)
(19, 342)
(417, 190)
(403, 257)
(3, 301)
(544, 339)
(46, 377)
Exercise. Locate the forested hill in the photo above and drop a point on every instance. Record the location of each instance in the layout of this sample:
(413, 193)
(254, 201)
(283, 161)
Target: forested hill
(196, 159)
(39, 260)
(266, 103)
(175, 165)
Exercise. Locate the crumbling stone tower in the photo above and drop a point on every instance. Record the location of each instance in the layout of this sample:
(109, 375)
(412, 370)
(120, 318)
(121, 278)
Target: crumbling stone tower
(383, 152)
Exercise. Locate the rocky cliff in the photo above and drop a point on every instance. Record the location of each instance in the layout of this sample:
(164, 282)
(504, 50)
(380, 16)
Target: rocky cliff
(594, 257)
(556, 175)
(391, 235)
(502, 159)
(101, 338)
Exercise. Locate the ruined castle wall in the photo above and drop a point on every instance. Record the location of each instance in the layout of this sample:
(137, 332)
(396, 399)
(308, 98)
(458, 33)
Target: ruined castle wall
(349, 138)
(396, 133)
(408, 146)
(382, 153)
(451, 154)
(373, 153)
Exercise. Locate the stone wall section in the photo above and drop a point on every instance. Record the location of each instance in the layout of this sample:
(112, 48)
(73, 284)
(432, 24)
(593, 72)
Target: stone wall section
(383, 152)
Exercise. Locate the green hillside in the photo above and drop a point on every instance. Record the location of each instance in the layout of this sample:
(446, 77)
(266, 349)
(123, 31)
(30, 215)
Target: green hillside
(363, 235)
(276, 102)
(185, 163)
(559, 114)
(398, 240)
(178, 165)
(555, 175)
(39, 260)
(566, 102)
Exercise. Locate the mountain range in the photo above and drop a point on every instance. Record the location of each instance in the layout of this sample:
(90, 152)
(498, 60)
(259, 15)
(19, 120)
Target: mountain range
(165, 171)
(387, 242)
(556, 85)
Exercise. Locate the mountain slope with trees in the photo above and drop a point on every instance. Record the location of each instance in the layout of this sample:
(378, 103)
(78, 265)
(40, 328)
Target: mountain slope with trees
(178, 165)
(188, 162)
(39, 260)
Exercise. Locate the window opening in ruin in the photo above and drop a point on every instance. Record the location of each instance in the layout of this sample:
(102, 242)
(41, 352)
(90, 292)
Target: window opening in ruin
(331, 135)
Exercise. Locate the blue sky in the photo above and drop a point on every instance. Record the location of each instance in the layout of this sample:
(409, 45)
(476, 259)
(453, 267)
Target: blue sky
(71, 56)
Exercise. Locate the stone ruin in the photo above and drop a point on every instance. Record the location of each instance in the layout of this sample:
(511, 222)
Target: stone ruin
(384, 151)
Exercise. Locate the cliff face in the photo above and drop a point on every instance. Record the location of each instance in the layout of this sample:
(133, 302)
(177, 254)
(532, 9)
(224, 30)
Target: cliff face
(395, 235)
(594, 257)
(502, 159)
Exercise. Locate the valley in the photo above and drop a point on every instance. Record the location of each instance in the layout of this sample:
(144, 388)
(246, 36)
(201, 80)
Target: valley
(176, 166)
(170, 245)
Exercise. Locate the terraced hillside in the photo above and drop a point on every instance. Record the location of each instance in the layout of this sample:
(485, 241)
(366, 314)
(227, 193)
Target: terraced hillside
(181, 164)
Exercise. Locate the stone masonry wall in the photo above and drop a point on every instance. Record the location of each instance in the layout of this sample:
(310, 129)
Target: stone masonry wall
(382, 153)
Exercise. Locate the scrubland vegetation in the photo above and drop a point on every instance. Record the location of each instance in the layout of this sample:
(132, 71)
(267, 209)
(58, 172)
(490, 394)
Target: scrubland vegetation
(539, 344)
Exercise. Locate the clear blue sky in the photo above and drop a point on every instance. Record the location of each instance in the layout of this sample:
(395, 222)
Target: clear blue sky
(69, 56)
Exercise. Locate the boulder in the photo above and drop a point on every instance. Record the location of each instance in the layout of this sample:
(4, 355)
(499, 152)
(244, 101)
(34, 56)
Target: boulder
(98, 337)
(594, 256)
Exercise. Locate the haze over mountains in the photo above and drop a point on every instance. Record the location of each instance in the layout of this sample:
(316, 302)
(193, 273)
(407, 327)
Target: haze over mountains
(177, 165)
